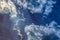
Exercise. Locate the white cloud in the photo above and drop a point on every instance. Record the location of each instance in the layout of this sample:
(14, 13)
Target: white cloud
(36, 32)
(8, 7)
(39, 9)
(33, 33)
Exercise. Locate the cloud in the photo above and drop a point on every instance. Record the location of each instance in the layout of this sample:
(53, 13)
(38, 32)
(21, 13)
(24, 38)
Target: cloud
(39, 6)
(36, 32)
(8, 7)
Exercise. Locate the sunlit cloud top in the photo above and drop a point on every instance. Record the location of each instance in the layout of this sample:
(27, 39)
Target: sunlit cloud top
(7, 7)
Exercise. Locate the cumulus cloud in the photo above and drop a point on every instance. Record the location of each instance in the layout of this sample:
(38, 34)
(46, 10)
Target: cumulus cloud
(7, 7)
(38, 6)
(36, 32)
